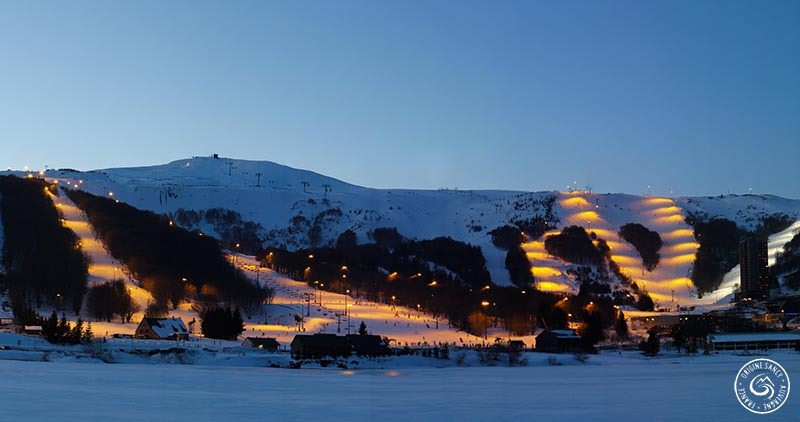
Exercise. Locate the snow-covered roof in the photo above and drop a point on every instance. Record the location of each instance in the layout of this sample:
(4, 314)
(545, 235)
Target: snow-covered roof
(745, 337)
(565, 334)
(166, 327)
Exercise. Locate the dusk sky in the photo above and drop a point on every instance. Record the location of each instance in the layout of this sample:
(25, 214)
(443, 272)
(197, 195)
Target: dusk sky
(695, 97)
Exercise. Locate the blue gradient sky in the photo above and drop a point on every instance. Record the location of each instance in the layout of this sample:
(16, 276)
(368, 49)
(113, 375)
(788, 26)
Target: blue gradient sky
(697, 97)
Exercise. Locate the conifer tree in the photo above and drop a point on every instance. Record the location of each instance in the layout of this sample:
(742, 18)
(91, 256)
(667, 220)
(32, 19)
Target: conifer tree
(621, 326)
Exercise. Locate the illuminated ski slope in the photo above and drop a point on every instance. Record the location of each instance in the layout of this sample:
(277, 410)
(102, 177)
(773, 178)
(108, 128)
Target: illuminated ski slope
(102, 267)
(326, 314)
(669, 284)
(604, 215)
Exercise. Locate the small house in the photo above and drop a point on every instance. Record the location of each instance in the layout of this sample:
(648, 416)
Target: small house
(162, 329)
(368, 345)
(559, 341)
(32, 330)
(268, 344)
(319, 345)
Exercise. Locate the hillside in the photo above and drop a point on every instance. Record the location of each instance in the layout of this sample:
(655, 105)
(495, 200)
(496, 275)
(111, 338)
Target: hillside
(285, 207)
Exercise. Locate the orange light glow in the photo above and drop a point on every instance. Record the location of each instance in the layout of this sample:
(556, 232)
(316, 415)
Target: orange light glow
(680, 233)
(604, 233)
(667, 211)
(658, 201)
(670, 219)
(545, 272)
(588, 215)
(550, 286)
(678, 260)
(574, 202)
(683, 247)
(537, 255)
(627, 260)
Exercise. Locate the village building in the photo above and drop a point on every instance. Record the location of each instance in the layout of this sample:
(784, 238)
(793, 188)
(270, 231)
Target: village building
(755, 341)
(268, 344)
(320, 345)
(368, 345)
(162, 329)
(559, 341)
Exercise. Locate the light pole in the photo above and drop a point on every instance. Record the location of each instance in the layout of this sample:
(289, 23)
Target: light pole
(485, 305)
(347, 293)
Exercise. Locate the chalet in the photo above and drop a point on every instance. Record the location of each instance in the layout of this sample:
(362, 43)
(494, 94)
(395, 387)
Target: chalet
(268, 344)
(368, 345)
(755, 341)
(319, 345)
(162, 329)
(32, 330)
(559, 341)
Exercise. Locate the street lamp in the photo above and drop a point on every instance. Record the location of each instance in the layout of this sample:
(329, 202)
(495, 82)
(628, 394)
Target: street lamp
(485, 305)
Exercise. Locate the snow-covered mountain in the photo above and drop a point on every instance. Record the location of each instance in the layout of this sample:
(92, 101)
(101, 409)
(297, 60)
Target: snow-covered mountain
(289, 204)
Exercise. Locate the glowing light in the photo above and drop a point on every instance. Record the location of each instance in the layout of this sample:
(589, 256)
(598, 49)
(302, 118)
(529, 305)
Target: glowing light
(537, 255)
(671, 219)
(604, 233)
(545, 272)
(677, 234)
(658, 201)
(627, 260)
(574, 202)
(678, 260)
(667, 211)
(550, 286)
(683, 247)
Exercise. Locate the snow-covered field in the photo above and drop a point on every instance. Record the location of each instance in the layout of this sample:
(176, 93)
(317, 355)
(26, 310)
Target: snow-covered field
(607, 387)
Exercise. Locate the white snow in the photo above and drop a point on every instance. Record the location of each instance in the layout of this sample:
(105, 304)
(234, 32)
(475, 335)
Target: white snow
(2, 239)
(280, 194)
(103, 267)
(166, 327)
(607, 387)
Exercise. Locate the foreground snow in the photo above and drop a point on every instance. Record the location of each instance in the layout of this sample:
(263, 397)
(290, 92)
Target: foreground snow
(608, 387)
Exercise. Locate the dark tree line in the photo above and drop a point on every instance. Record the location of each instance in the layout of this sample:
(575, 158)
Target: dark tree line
(228, 224)
(573, 244)
(43, 259)
(109, 299)
(646, 242)
(58, 331)
(718, 252)
(222, 323)
(787, 262)
(172, 263)
(719, 246)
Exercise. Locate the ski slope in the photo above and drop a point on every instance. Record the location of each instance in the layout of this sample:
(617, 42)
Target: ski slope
(102, 267)
(334, 313)
(276, 196)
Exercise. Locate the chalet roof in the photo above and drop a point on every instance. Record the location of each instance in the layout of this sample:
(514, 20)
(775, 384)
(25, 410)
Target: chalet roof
(166, 327)
(262, 341)
(562, 333)
(367, 343)
(324, 340)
